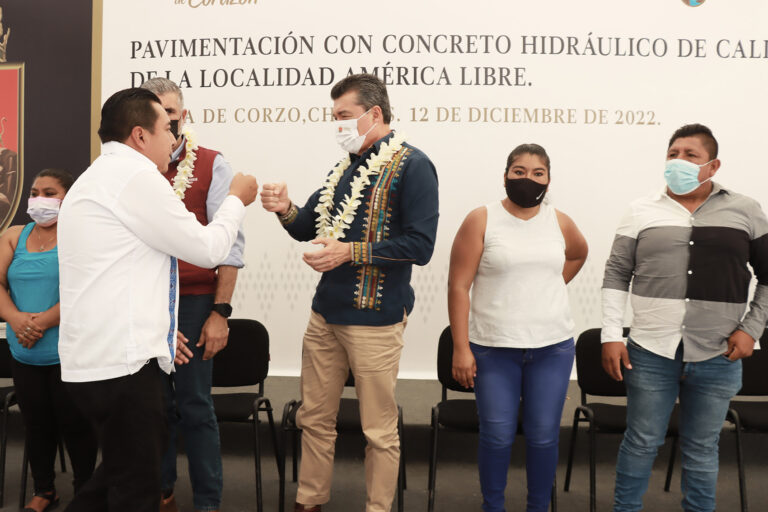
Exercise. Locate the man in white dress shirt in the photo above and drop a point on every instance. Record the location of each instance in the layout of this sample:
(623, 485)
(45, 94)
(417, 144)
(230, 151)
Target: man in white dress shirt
(204, 296)
(120, 232)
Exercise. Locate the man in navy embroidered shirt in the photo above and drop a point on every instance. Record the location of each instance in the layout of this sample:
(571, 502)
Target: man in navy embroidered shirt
(375, 216)
(685, 252)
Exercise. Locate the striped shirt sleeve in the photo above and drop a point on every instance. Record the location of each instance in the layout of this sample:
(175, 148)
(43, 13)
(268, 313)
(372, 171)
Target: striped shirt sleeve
(754, 321)
(617, 278)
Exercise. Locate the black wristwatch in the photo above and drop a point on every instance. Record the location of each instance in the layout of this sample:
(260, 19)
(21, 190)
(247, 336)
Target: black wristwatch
(223, 309)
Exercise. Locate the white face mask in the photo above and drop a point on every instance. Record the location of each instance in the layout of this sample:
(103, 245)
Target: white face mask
(44, 210)
(348, 136)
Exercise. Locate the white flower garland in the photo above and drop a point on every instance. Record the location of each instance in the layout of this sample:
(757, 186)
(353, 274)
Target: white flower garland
(334, 227)
(184, 172)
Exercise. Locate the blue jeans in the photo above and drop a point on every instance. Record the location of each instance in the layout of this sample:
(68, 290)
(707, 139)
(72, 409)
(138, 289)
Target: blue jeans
(190, 410)
(653, 384)
(508, 378)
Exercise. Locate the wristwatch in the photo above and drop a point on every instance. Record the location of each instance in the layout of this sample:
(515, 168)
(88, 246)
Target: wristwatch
(223, 309)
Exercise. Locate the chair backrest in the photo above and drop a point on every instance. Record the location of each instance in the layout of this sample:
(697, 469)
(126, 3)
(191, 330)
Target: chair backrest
(754, 379)
(5, 359)
(445, 364)
(245, 359)
(589, 368)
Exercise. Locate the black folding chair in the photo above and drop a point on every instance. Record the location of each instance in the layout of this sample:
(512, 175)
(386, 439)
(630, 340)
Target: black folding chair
(245, 362)
(347, 420)
(751, 416)
(601, 417)
(458, 414)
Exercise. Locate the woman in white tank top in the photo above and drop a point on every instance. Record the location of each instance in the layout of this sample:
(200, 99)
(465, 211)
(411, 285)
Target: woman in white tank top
(513, 341)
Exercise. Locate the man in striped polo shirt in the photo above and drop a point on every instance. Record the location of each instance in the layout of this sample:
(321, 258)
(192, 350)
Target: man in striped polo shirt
(685, 252)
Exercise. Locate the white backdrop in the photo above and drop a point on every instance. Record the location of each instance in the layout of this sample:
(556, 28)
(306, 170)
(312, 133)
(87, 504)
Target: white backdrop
(644, 68)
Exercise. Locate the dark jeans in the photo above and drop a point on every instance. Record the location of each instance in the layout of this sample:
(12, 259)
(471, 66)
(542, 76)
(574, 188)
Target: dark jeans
(190, 412)
(49, 413)
(538, 379)
(128, 414)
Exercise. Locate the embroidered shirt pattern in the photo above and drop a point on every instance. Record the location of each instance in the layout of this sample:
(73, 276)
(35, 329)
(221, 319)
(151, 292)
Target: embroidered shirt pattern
(370, 278)
(172, 291)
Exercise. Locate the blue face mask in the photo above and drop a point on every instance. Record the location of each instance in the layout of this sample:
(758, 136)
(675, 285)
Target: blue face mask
(682, 176)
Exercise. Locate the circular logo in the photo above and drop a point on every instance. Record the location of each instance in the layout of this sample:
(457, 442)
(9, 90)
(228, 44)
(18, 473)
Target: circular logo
(693, 3)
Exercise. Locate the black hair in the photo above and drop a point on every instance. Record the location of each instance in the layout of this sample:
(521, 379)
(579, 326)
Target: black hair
(64, 178)
(126, 109)
(370, 92)
(697, 130)
(527, 149)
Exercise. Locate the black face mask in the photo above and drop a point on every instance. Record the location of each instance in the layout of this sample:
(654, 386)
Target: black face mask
(525, 192)
(175, 128)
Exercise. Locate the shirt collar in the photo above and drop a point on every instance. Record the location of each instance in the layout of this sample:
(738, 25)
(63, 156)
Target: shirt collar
(176, 154)
(123, 150)
(716, 189)
(373, 150)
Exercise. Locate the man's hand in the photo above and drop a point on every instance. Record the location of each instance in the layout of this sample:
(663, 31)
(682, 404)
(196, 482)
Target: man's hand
(274, 198)
(333, 254)
(26, 329)
(464, 368)
(740, 345)
(183, 354)
(214, 335)
(614, 355)
(244, 187)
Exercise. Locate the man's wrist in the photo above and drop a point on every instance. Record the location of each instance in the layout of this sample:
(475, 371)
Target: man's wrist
(217, 316)
(286, 211)
(288, 216)
(741, 330)
(222, 309)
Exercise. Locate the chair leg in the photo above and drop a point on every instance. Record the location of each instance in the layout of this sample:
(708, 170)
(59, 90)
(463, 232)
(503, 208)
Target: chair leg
(571, 450)
(401, 432)
(24, 471)
(296, 448)
(592, 463)
(257, 465)
(740, 463)
(277, 446)
(3, 447)
(257, 455)
(671, 465)
(283, 451)
(432, 462)
(281, 473)
(400, 491)
(401, 465)
(279, 457)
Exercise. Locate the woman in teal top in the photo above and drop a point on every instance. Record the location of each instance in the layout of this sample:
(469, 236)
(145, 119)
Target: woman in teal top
(29, 301)
(33, 280)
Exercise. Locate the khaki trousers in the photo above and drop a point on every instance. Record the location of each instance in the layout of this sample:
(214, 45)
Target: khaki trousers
(373, 354)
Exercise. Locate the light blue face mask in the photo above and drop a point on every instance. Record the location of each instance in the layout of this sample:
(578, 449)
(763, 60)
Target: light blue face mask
(682, 176)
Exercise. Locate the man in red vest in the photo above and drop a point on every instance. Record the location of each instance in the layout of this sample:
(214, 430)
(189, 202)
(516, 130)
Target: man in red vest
(200, 177)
